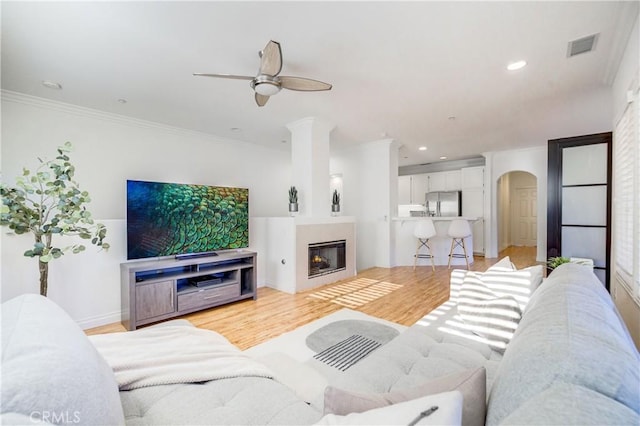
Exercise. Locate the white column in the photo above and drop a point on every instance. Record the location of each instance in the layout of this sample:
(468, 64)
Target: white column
(310, 165)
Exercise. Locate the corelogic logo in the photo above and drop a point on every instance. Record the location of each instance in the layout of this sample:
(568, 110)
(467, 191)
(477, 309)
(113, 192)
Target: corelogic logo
(55, 417)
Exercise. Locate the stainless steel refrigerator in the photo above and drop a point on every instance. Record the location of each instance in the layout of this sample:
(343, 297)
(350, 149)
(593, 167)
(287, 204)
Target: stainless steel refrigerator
(444, 203)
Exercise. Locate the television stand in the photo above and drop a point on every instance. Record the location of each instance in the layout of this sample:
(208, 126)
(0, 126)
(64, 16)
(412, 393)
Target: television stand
(157, 290)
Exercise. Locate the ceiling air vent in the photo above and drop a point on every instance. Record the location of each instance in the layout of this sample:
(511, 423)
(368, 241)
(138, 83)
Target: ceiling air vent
(582, 45)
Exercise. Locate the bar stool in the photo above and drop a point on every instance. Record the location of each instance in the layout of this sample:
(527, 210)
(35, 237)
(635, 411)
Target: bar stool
(424, 230)
(459, 229)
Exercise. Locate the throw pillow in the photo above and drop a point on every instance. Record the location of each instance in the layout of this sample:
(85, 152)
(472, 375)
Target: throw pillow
(448, 412)
(520, 284)
(493, 317)
(503, 264)
(50, 370)
(471, 383)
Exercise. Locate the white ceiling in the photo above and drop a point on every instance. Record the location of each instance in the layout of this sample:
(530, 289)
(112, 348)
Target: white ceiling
(398, 70)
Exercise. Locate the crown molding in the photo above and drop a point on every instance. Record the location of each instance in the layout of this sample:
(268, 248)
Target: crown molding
(38, 102)
(628, 14)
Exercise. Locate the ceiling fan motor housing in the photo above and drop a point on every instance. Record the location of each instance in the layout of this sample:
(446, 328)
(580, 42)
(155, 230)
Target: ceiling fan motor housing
(266, 85)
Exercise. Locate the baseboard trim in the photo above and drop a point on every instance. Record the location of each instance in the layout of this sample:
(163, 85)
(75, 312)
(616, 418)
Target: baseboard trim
(99, 320)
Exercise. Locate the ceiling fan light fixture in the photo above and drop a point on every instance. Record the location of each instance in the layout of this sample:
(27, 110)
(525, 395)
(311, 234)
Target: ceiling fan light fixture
(266, 88)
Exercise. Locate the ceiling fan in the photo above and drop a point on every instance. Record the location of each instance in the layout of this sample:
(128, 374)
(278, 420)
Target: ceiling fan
(268, 82)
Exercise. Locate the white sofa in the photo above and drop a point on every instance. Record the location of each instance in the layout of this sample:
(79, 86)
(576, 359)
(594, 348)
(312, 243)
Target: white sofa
(571, 361)
(52, 373)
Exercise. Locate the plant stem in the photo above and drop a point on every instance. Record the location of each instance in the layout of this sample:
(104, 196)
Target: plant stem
(44, 276)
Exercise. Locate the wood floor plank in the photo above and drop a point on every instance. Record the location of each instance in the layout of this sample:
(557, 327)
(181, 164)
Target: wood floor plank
(250, 322)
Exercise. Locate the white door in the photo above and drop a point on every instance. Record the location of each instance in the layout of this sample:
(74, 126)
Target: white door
(525, 223)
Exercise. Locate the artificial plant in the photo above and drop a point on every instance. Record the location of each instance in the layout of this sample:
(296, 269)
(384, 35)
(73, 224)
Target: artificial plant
(554, 262)
(293, 195)
(49, 202)
(335, 199)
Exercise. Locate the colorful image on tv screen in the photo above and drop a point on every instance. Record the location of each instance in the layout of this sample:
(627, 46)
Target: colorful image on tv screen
(166, 219)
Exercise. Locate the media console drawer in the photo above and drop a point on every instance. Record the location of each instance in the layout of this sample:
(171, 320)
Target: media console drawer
(208, 296)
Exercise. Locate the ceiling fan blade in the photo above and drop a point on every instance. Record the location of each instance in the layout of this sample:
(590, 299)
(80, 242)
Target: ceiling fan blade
(271, 59)
(235, 77)
(261, 100)
(303, 84)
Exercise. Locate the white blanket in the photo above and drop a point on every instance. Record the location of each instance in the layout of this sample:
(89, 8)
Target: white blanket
(173, 354)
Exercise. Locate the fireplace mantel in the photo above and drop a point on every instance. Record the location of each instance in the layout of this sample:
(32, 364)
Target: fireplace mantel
(287, 256)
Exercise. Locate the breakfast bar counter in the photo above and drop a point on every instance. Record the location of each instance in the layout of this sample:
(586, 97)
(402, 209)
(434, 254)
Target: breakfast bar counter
(406, 242)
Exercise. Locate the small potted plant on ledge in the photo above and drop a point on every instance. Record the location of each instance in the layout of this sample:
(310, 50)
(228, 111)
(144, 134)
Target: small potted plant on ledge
(335, 202)
(293, 200)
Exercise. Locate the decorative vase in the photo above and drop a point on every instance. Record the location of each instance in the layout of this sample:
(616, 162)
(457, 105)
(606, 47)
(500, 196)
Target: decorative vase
(335, 209)
(293, 208)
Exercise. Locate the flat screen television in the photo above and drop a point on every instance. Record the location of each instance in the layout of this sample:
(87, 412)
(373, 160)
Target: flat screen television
(173, 219)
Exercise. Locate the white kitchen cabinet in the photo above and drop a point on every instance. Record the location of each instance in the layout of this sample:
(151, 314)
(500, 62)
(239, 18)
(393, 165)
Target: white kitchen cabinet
(477, 230)
(437, 182)
(472, 177)
(473, 202)
(453, 180)
(404, 189)
(419, 187)
(473, 206)
(445, 181)
(411, 188)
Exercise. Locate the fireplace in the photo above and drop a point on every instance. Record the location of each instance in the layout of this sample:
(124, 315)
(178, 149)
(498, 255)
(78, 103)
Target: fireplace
(327, 258)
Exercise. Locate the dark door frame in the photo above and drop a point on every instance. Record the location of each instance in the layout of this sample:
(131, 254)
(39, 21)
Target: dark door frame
(554, 192)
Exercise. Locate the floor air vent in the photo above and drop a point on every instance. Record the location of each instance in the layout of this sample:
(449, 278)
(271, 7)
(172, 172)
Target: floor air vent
(582, 45)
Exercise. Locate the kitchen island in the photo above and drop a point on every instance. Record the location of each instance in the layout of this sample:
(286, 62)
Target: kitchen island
(406, 242)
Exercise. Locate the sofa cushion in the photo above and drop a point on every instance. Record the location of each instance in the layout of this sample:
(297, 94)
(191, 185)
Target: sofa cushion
(487, 314)
(568, 404)
(236, 401)
(570, 333)
(50, 370)
(443, 408)
(436, 345)
(471, 383)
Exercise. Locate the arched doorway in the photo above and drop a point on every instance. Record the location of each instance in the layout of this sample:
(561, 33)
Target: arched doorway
(517, 211)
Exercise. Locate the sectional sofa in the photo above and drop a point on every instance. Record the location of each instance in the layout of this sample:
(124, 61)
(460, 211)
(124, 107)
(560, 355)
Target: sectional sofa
(570, 361)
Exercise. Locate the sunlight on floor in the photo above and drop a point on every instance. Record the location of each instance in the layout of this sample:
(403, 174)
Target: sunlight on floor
(355, 293)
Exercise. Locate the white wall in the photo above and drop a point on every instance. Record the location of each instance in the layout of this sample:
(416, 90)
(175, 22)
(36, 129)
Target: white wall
(108, 150)
(531, 160)
(369, 178)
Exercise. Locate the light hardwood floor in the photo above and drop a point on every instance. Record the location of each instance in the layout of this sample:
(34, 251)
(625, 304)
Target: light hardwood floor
(248, 323)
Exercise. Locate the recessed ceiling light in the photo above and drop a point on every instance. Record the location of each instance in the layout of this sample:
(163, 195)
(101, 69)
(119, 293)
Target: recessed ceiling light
(422, 148)
(235, 129)
(51, 84)
(451, 117)
(122, 101)
(444, 157)
(516, 65)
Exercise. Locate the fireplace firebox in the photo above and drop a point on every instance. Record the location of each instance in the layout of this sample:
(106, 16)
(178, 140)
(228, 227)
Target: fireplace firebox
(327, 257)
